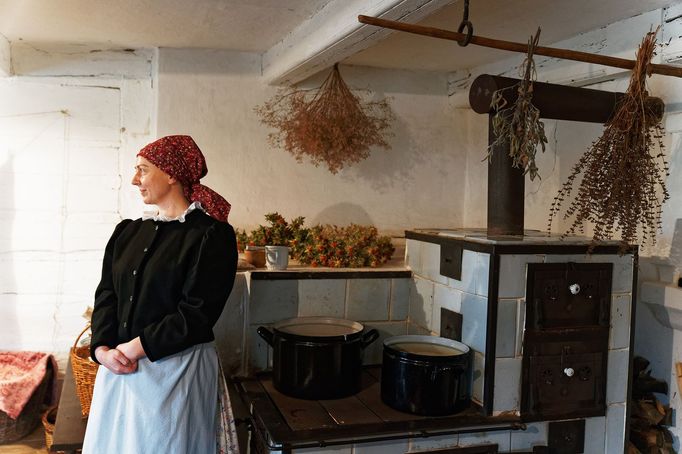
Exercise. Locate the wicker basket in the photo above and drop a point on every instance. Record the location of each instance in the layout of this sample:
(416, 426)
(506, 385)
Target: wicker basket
(84, 373)
(49, 418)
(29, 419)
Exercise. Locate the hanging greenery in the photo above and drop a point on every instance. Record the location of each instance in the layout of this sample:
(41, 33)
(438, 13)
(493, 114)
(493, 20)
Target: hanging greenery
(519, 125)
(623, 184)
(330, 125)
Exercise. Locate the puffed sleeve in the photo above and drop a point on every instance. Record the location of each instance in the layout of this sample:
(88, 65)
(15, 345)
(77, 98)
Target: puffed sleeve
(205, 291)
(104, 314)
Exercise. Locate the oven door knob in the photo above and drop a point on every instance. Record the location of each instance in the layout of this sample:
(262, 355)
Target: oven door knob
(574, 288)
(569, 372)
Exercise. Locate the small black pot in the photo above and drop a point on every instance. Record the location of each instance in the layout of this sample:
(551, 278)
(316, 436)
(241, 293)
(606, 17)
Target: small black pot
(317, 357)
(425, 375)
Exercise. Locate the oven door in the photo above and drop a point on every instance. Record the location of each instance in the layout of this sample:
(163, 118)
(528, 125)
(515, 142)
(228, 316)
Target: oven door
(566, 385)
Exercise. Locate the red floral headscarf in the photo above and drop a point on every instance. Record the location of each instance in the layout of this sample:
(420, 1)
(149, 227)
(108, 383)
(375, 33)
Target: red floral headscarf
(181, 158)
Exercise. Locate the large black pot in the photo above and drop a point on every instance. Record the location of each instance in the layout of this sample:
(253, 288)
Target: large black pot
(317, 357)
(425, 375)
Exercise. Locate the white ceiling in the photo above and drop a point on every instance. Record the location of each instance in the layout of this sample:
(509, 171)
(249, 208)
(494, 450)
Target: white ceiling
(257, 25)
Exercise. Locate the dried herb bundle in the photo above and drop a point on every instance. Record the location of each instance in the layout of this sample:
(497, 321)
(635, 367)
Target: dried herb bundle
(330, 125)
(520, 125)
(623, 184)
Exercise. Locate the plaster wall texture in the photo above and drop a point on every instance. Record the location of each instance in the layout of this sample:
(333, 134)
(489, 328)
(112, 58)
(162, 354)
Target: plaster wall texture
(419, 182)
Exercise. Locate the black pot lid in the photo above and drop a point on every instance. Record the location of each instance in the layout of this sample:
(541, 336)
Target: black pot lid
(319, 327)
(426, 346)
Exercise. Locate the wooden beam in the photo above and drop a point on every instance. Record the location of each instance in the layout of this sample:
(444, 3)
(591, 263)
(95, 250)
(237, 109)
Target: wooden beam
(566, 54)
(334, 34)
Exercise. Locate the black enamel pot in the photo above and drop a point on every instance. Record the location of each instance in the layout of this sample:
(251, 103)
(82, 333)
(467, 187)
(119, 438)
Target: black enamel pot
(317, 357)
(425, 375)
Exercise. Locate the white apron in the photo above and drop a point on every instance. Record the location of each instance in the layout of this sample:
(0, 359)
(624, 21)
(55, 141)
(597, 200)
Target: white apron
(176, 405)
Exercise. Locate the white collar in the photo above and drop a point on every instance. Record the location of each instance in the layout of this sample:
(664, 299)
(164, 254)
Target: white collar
(155, 216)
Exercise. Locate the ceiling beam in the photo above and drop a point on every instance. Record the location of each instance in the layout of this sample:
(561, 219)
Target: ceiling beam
(334, 34)
(5, 57)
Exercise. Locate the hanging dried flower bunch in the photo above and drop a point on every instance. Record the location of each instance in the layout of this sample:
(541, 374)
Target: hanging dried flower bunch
(519, 124)
(623, 184)
(330, 125)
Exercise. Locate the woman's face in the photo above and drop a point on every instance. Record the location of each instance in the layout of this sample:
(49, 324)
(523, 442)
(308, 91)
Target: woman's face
(154, 184)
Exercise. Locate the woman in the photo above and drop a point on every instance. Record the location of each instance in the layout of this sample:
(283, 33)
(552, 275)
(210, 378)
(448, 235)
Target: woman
(165, 280)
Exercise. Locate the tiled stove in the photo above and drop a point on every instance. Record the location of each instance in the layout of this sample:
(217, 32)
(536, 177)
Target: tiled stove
(576, 358)
(485, 284)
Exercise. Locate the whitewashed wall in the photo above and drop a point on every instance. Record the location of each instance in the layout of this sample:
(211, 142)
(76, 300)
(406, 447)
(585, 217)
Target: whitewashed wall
(211, 95)
(69, 122)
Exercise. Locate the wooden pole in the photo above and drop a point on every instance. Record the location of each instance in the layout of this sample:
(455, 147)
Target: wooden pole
(565, 54)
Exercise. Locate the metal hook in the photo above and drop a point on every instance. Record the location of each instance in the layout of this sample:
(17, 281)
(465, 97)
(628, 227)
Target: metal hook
(466, 23)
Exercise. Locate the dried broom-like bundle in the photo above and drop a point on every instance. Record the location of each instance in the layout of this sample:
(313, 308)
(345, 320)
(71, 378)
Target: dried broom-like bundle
(520, 125)
(623, 185)
(331, 125)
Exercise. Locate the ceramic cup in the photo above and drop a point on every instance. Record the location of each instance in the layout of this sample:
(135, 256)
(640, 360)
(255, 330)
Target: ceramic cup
(276, 257)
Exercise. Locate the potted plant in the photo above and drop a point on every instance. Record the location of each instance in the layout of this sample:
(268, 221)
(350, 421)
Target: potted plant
(278, 238)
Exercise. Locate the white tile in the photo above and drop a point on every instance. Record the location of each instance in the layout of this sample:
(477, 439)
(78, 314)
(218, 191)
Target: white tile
(617, 378)
(446, 297)
(520, 331)
(400, 298)
(534, 435)
(229, 329)
(321, 297)
(373, 354)
(502, 439)
(413, 254)
(507, 391)
(469, 271)
(421, 302)
(595, 435)
(482, 273)
(478, 377)
(258, 353)
(615, 428)
(430, 443)
(513, 274)
(381, 447)
(619, 336)
(474, 313)
(418, 330)
(622, 270)
(507, 326)
(272, 301)
(368, 299)
(430, 263)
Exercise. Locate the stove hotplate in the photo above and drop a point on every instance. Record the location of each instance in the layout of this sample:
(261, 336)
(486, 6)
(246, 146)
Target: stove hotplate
(279, 422)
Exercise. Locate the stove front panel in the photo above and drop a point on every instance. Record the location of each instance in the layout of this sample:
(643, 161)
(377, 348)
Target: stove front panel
(566, 340)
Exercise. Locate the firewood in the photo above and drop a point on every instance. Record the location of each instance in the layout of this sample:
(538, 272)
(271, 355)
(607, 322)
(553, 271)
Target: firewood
(647, 438)
(650, 412)
(647, 383)
(639, 365)
(632, 449)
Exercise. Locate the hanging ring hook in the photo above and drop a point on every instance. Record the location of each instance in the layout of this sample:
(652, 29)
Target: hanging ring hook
(466, 23)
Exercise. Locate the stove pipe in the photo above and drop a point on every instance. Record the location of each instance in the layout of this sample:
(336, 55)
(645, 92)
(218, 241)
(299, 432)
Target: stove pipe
(506, 188)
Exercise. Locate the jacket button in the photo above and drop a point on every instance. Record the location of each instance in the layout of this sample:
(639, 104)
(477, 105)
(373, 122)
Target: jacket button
(125, 324)
(131, 298)
(156, 228)
(134, 272)
(146, 249)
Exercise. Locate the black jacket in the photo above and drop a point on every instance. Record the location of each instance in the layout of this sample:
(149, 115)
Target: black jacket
(166, 282)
